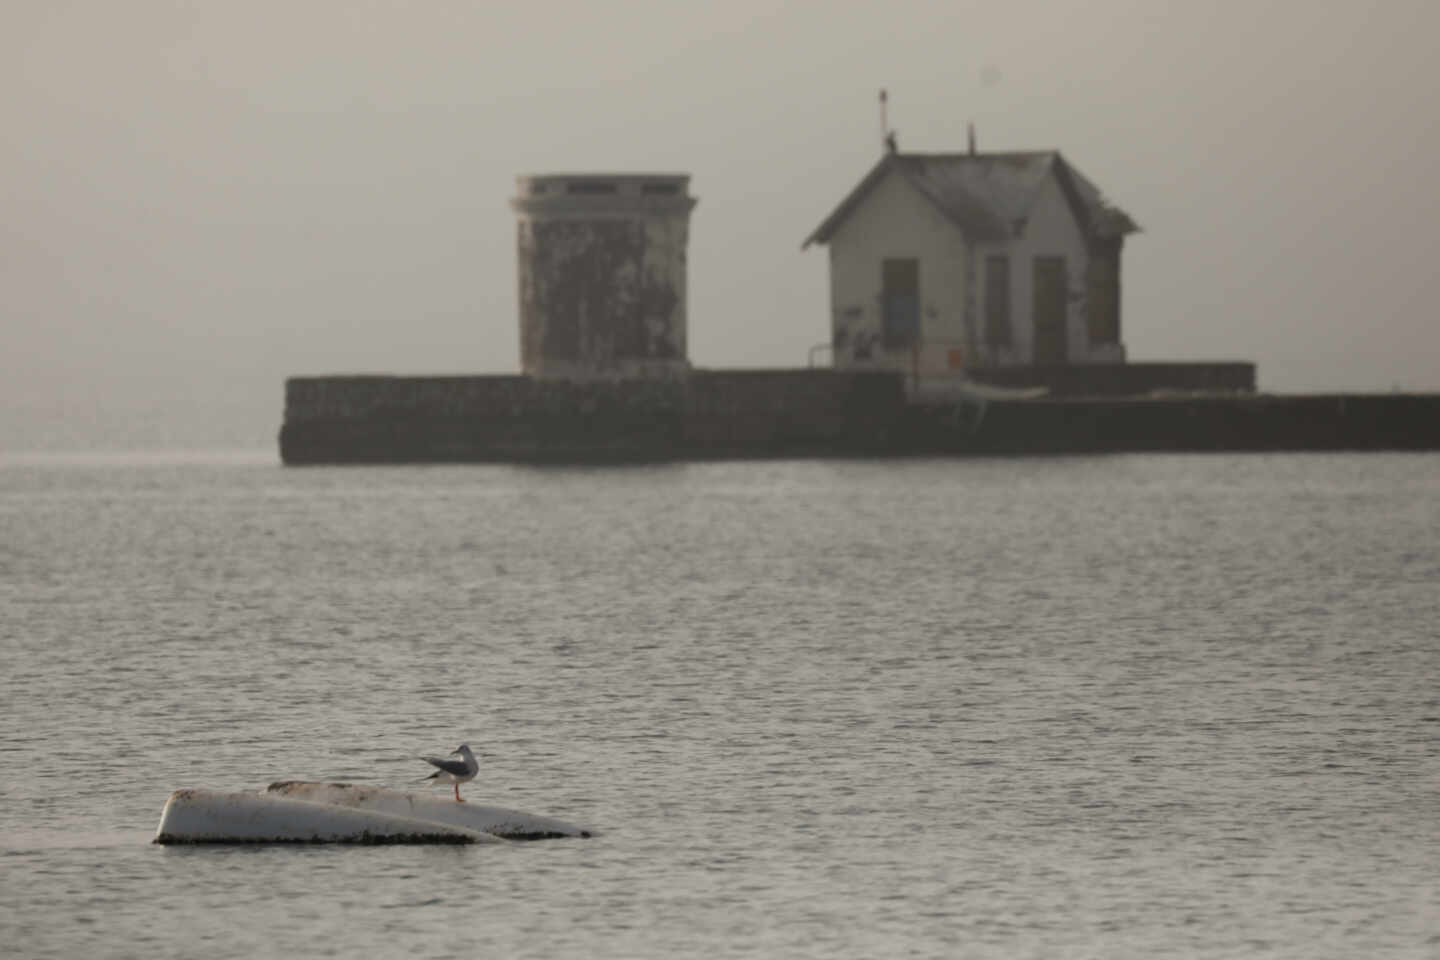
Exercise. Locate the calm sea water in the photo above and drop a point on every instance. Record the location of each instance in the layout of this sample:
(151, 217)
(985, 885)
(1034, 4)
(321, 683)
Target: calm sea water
(1127, 706)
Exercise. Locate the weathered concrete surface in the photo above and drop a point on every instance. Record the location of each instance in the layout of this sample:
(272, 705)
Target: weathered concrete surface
(802, 413)
(205, 816)
(497, 821)
(602, 274)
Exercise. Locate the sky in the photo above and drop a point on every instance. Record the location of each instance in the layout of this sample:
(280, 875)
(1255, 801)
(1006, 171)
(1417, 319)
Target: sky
(199, 199)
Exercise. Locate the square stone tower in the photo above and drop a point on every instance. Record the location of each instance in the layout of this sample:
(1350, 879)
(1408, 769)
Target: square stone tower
(602, 274)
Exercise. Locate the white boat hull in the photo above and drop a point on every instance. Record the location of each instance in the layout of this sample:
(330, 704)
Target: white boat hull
(205, 816)
(499, 821)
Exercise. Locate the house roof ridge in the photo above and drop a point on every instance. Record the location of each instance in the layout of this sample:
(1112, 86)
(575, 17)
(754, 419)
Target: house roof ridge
(984, 194)
(977, 155)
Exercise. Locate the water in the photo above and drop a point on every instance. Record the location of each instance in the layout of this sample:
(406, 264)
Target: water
(1148, 706)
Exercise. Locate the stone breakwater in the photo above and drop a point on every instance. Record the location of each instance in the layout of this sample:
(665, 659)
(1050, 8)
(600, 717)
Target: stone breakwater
(517, 418)
(804, 413)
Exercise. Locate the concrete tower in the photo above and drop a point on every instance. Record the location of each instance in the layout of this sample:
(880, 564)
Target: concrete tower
(602, 274)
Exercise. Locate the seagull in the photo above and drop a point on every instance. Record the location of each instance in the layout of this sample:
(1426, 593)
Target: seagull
(455, 771)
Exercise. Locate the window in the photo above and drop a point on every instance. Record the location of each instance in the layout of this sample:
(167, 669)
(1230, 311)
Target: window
(1049, 311)
(900, 302)
(1102, 301)
(997, 301)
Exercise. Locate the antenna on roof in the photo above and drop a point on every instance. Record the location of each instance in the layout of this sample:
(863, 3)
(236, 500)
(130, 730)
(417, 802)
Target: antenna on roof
(887, 136)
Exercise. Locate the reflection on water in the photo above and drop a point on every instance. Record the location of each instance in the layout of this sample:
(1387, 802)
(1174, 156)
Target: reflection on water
(1118, 706)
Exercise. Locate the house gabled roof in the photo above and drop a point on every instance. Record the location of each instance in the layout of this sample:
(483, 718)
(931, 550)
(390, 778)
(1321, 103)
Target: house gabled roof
(987, 195)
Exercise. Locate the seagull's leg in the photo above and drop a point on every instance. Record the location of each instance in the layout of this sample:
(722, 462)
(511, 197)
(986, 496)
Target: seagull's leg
(457, 793)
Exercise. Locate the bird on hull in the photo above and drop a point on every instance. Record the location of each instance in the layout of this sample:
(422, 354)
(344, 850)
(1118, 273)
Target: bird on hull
(455, 771)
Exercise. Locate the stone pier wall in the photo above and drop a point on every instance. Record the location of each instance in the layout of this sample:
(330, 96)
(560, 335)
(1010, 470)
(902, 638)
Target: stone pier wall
(706, 414)
(801, 413)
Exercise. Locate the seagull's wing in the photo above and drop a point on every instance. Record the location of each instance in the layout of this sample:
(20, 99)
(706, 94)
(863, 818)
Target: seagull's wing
(454, 767)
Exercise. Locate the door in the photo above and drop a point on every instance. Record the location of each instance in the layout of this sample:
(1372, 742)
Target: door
(1048, 310)
(900, 302)
(997, 301)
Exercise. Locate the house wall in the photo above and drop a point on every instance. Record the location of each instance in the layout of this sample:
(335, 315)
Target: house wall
(1050, 230)
(895, 220)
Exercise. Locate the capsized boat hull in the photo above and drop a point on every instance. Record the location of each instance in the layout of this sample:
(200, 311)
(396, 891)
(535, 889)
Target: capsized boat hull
(498, 821)
(207, 816)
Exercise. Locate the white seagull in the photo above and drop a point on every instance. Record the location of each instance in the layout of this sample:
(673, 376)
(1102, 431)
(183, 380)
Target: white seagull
(455, 771)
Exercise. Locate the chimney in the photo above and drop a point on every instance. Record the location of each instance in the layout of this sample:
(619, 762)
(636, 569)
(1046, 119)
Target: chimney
(884, 121)
(887, 136)
(971, 130)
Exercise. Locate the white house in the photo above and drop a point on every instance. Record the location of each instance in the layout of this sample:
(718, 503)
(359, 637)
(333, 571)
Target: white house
(942, 262)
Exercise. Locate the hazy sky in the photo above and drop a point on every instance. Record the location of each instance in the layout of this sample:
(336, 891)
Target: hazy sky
(201, 198)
